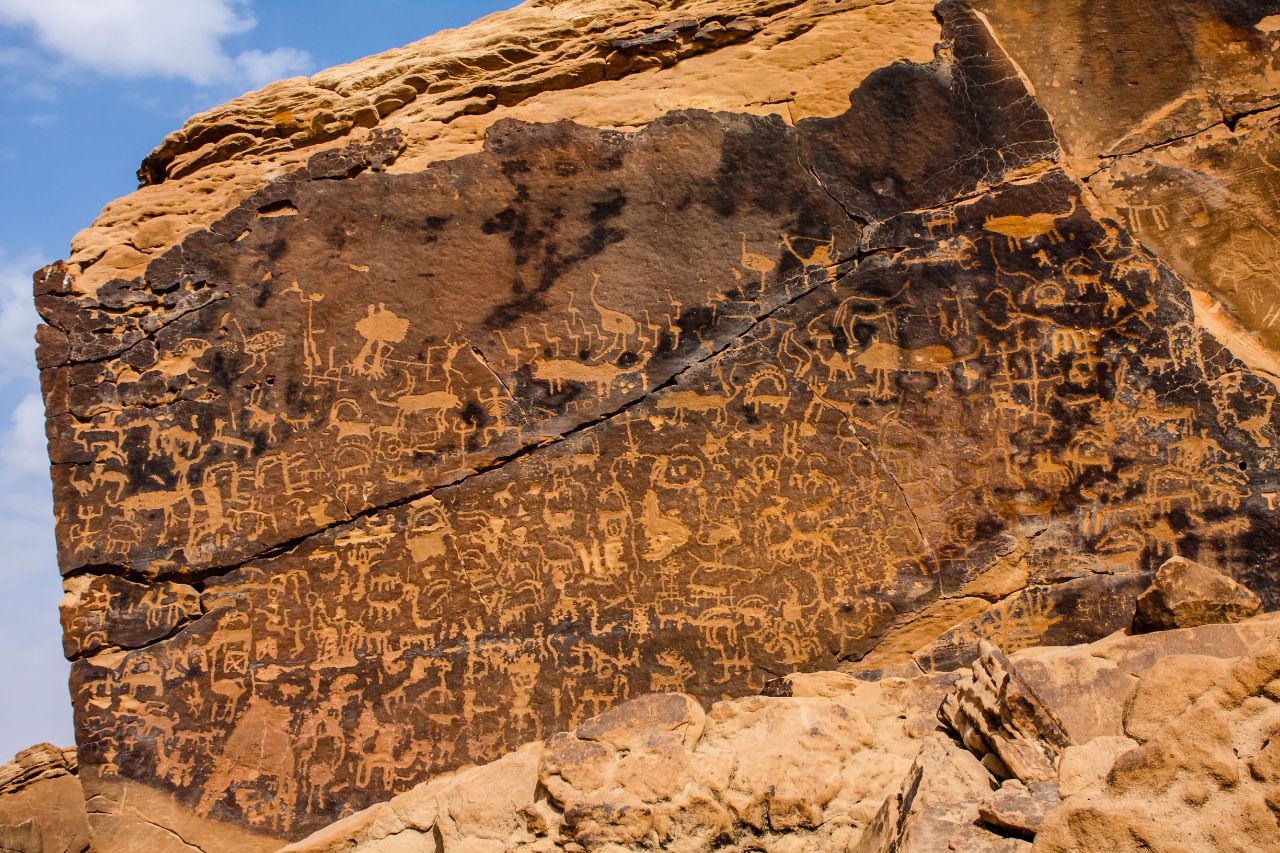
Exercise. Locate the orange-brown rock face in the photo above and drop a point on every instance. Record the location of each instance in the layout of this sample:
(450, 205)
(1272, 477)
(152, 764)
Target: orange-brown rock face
(393, 465)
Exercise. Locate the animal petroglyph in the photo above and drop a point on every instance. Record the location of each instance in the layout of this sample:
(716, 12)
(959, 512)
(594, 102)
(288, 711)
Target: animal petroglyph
(1017, 228)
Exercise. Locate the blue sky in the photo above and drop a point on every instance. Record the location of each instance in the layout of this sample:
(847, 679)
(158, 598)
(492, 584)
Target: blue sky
(87, 88)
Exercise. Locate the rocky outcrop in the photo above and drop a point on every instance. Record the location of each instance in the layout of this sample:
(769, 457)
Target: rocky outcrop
(615, 64)
(842, 764)
(396, 422)
(806, 771)
(1204, 780)
(41, 805)
(1000, 719)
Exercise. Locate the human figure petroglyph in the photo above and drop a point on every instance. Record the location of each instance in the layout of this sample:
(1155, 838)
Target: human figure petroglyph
(381, 329)
(523, 672)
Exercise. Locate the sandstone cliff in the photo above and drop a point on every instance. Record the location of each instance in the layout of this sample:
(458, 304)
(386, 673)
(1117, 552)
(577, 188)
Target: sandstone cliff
(440, 402)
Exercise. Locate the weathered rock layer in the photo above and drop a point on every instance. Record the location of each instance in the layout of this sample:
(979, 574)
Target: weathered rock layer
(377, 453)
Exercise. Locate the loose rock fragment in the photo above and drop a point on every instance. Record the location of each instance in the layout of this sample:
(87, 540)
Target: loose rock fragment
(1185, 594)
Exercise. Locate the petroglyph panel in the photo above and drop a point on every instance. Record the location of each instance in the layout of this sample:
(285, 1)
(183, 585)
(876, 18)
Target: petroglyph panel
(455, 459)
(1116, 79)
(376, 338)
(846, 462)
(1172, 121)
(1209, 206)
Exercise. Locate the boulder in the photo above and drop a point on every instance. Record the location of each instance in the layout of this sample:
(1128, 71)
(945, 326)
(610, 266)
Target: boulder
(1185, 594)
(1091, 688)
(1205, 780)
(999, 718)
(937, 807)
(1019, 809)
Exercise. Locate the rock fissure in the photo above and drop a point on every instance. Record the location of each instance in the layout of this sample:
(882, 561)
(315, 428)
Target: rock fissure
(1229, 121)
(219, 571)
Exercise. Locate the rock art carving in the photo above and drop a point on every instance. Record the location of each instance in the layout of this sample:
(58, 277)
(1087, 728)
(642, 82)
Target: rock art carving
(396, 465)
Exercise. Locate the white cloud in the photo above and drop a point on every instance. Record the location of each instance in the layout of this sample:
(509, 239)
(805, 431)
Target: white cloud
(162, 38)
(18, 317)
(32, 666)
(26, 500)
(26, 511)
(25, 454)
(258, 68)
